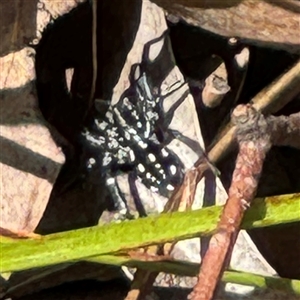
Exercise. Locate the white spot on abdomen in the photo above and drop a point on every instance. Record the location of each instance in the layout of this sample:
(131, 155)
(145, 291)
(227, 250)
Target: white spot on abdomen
(164, 152)
(142, 144)
(151, 157)
(132, 156)
(173, 169)
(170, 187)
(110, 181)
(141, 168)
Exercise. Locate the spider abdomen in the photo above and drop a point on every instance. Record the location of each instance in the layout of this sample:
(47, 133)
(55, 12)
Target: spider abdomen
(158, 168)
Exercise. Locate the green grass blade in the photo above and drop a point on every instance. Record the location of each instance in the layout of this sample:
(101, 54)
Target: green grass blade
(183, 268)
(113, 238)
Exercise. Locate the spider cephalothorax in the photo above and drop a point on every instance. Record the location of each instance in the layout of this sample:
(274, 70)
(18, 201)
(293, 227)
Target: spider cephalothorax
(133, 136)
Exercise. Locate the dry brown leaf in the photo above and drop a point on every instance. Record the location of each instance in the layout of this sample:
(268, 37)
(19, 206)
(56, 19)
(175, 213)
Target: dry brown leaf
(29, 159)
(18, 24)
(269, 23)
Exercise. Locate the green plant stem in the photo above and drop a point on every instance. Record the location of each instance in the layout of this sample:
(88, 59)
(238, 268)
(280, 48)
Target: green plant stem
(115, 239)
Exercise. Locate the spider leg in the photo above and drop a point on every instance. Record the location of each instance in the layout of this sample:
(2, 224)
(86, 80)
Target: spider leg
(101, 105)
(113, 188)
(162, 126)
(135, 194)
(172, 133)
(165, 135)
(147, 46)
(119, 200)
(168, 116)
(195, 147)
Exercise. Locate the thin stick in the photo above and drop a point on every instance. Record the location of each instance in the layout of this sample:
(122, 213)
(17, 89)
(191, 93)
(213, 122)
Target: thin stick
(268, 101)
(94, 54)
(264, 101)
(255, 135)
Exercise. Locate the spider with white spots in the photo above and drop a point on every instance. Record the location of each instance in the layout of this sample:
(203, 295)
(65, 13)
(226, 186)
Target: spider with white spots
(133, 136)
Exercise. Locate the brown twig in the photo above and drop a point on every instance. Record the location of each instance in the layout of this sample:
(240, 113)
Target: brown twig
(270, 100)
(141, 284)
(287, 130)
(255, 135)
(143, 279)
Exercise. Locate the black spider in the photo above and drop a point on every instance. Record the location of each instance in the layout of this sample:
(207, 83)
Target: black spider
(133, 136)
